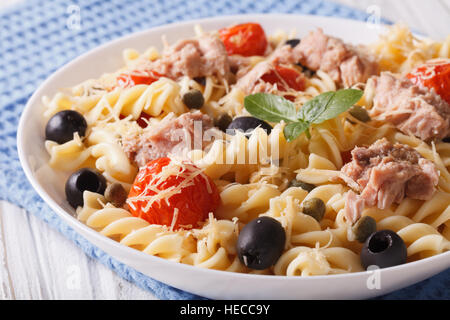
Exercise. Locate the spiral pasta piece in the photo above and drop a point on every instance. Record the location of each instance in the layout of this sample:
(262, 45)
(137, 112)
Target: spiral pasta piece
(422, 240)
(305, 261)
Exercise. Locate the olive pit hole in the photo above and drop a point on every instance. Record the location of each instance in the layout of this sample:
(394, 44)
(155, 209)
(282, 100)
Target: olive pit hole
(379, 243)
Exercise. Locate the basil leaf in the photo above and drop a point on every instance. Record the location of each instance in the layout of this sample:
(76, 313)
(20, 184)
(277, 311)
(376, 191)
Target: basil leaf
(294, 129)
(313, 108)
(329, 105)
(270, 107)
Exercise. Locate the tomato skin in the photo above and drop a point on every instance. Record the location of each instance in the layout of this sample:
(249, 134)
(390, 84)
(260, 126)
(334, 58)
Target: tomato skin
(127, 80)
(194, 202)
(346, 156)
(141, 121)
(440, 81)
(247, 39)
(282, 76)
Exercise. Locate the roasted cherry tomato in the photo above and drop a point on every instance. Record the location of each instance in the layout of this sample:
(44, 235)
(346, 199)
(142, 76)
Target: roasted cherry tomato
(433, 74)
(126, 80)
(141, 121)
(172, 193)
(247, 39)
(283, 76)
(346, 156)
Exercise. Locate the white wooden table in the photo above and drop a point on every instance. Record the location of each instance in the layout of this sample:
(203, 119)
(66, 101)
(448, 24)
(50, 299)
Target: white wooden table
(37, 262)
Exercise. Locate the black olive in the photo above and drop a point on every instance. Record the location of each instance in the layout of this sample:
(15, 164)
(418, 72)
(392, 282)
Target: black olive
(359, 113)
(223, 121)
(364, 227)
(247, 124)
(300, 184)
(446, 139)
(293, 42)
(315, 208)
(261, 243)
(384, 249)
(306, 71)
(82, 180)
(115, 194)
(200, 80)
(193, 99)
(61, 127)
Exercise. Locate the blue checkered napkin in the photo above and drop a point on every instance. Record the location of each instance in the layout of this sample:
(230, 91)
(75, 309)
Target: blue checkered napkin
(35, 41)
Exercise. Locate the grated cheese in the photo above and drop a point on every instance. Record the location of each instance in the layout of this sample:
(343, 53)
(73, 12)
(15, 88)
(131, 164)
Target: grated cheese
(174, 219)
(175, 168)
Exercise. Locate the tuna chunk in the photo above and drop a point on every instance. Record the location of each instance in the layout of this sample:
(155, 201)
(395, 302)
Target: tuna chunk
(385, 173)
(172, 136)
(252, 82)
(239, 65)
(202, 57)
(412, 109)
(346, 64)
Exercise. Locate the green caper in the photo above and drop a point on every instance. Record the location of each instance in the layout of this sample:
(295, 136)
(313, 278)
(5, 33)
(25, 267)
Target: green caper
(315, 208)
(359, 113)
(364, 227)
(193, 99)
(300, 184)
(223, 121)
(115, 194)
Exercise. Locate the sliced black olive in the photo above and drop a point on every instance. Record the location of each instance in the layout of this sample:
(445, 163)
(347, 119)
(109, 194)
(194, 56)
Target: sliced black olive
(384, 249)
(82, 180)
(364, 227)
(359, 113)
(193, 99)
(61, 127)
(315, 208)
(200, 80)
(261, 243)
(223, 121)
(293, 42)
(116, 194)
(300, 184)
(247, 124)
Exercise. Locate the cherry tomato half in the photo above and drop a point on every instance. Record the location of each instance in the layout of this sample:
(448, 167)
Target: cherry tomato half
(433, 74)
(247, 39)
(126, 80)
(282, 76)
(193, 201)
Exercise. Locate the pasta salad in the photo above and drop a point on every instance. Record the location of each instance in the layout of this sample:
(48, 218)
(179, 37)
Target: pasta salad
(240, 151)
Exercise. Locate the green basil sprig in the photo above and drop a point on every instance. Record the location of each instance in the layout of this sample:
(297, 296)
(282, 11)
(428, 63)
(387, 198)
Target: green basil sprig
(325, 106)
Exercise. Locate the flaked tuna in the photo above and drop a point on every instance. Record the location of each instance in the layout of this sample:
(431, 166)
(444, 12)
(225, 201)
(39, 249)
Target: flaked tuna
(172, 136)
(346, 64)
(412, 109)
(386, 173)
(201, 57)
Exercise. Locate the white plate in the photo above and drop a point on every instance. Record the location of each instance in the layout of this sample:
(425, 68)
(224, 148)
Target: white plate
(208, 283)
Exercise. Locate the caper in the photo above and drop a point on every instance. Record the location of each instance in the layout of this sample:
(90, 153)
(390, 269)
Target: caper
(223, 121)
(116, 194)
(315, 208)
(364, 227)
(359, 113)
(300, 184)
(193, 99)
